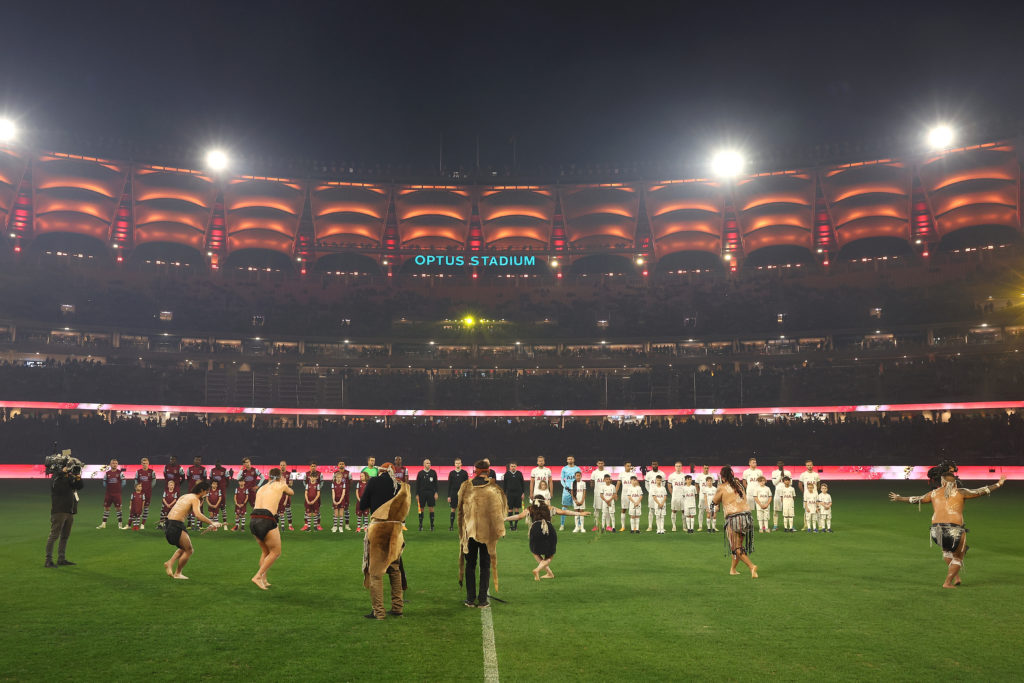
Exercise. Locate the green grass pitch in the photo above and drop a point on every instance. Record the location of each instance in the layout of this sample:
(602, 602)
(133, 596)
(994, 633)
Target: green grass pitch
(861, 604)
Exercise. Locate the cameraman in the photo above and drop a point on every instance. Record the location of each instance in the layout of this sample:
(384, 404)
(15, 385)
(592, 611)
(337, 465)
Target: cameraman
(63, 507)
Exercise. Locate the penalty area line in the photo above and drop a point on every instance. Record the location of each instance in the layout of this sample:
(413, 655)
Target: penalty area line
(490, 654)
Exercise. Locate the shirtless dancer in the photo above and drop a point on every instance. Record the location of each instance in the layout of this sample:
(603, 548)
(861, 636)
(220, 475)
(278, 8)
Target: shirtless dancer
(190, 503)
(739, 525)
(263, 523)
(947, 529)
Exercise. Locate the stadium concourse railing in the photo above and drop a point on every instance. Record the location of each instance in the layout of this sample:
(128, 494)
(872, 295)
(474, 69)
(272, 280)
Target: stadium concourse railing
(835, 472)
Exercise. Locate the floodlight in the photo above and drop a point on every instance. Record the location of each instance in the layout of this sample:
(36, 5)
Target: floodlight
(469, 321)
(217, 159)
(941, 137)
(727, 163)
(8, 130)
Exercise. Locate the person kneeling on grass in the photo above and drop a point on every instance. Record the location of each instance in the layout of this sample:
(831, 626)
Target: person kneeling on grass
(190, 503)
(543, 539)
(739, 526)
(263, 523)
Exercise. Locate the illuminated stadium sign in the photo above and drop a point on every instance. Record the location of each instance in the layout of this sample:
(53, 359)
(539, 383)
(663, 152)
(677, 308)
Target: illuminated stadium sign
(518, 261)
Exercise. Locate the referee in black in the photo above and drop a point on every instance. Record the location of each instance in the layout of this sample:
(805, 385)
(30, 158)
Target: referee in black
(514, 488)
(455, 479)
(426, 492)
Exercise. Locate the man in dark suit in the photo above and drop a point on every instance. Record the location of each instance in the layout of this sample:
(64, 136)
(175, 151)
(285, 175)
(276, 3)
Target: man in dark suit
(63, 508)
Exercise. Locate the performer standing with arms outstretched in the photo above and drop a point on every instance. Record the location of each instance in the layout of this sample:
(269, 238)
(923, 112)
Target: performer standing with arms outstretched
(948, 531)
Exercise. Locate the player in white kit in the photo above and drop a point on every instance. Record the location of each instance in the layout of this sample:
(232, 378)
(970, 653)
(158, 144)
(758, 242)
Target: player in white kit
(658, 501)
(824, 509)
(806, 477)
(707, 510)
(634, 496)
(675, 489)
(606, 492)
(811, 507)
(596, 481)
(763, 496)
(751, 475)
(624, 481)
(778, 474)
(785, 498)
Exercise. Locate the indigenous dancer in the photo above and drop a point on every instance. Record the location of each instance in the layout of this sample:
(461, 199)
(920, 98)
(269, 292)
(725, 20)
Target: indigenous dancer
(175, 532)
(263, 524)
(543, 539)
(387, 502)
(216, 503)
(481, 512)
(145, 475)
(739, 527)
(947, 530)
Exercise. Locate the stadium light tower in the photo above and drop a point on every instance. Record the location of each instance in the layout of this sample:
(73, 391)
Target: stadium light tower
(8, 130)
(217, 159)
(941, 137)
(727, 163)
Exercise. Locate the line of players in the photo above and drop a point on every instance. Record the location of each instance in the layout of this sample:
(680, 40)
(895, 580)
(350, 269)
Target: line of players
(676, 494)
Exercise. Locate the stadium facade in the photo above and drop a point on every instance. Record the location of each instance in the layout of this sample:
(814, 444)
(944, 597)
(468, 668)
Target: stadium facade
(902, 206)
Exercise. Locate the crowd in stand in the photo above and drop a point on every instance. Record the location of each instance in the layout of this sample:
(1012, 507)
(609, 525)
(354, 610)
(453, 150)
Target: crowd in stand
(329, 306)
(786, 382)
(975, 439)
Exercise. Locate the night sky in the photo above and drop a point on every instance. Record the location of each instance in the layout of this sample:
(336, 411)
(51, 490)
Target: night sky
(380, 82)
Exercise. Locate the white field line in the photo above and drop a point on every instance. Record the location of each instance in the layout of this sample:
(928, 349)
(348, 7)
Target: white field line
(490, 655)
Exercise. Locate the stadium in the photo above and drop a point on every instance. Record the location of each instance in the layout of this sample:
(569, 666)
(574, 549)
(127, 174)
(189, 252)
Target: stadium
(849, 315)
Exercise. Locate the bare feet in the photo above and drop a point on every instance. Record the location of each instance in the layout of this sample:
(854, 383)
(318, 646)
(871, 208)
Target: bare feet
(179, 575)
(536, 574)
(733, 572)
(167, 568)
(549, 575)
(753, 572)
(259, 584)
(946, 585)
